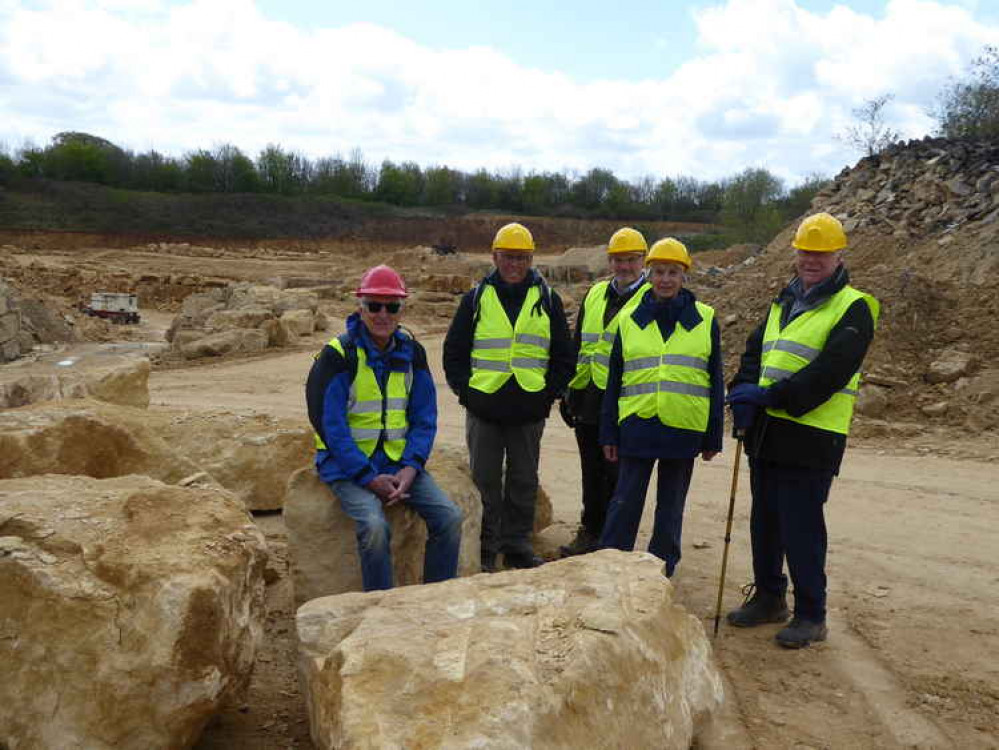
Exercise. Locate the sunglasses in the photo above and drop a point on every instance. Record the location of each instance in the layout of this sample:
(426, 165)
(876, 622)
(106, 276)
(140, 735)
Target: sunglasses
(376, 307)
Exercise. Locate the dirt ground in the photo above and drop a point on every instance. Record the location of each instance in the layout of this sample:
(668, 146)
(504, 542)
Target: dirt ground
(913, 655)
(914, 629)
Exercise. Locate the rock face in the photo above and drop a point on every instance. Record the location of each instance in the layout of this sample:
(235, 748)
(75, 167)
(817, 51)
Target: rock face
(10, 326)
(242, 318)
(323, 547)
(116, 379)
(131, 611)
(586, 652)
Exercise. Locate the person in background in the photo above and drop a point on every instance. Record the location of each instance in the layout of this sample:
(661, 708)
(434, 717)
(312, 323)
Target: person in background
(793, 396)
(664, 403)
(596, 326)
(508, 356)
(373, 406)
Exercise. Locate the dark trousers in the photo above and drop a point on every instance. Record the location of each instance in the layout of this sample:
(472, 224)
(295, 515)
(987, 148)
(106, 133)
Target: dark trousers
(625, 511)
(599, 478)
(504, 462)
(788, 520)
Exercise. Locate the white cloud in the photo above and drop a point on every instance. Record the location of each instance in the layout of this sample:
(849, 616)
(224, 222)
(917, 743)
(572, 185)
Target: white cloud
(770, 85)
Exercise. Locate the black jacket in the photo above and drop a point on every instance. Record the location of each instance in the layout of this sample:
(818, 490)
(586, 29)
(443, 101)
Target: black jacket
(782, 441)
(511, 404)
(584, 403)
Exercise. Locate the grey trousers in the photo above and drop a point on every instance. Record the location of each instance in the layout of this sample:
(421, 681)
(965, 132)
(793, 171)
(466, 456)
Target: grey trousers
(508, 501)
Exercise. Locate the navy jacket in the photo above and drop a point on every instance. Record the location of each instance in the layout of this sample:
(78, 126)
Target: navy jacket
(511, 404)
(649, 438)
(780, 440)
(327, 390)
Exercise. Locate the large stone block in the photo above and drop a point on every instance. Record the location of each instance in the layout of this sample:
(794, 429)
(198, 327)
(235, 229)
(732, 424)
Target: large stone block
(130, 611)
(589, 652)
(245, 340)
(299, 322)
(115, 379)
(322, 543)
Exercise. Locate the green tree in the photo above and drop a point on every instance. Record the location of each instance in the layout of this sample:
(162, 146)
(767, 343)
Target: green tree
(234, 171)
(400, 184)
(798, 200)
(443, 186)
(970, 108)
(153, 171)
(87, 158)
(749, 206)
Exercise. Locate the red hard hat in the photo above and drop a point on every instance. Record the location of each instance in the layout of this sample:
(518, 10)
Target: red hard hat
(382, 281)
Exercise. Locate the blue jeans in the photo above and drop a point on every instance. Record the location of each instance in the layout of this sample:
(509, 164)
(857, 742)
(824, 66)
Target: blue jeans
(374, 537)
(625, 511)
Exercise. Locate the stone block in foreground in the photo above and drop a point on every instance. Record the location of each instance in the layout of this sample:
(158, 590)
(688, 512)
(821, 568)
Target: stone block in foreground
(588, 652)
(130, 611)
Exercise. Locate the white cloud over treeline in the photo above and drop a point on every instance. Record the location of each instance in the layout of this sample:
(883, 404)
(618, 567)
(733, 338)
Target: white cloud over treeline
(769, 84)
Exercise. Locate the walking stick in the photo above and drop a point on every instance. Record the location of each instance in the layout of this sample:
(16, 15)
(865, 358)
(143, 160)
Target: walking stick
(728, 527)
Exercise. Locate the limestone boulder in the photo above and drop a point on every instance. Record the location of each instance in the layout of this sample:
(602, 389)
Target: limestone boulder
(112, 378)
(872, 401)
(322, 542)
(950, 367)
(244, 340)
(131, 611)
(252, 456)
(242, 317)
(586, 652)
(80, 437)
(299, 322)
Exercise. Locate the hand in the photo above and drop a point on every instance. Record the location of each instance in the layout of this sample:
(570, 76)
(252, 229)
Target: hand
(566, 411)
(708, 455)
(404, 480)
(383, 486)
(747, 393)
(743, 416)
(610, 453)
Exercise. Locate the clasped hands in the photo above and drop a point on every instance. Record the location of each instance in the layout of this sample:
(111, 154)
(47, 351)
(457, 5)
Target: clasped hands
(391, 488)
(745, 399)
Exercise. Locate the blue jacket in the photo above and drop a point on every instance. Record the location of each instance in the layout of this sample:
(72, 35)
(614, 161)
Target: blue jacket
(638, 437)
(327, 391)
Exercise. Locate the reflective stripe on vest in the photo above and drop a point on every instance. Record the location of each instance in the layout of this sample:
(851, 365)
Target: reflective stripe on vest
(799, 343)
(667, 379)
(500, 350)
(372, 415)
(596, 340)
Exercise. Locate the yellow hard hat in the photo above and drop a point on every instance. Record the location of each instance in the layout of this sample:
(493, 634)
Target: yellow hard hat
(515, 237)
(671, 250)
(627, 240)
(821, 233)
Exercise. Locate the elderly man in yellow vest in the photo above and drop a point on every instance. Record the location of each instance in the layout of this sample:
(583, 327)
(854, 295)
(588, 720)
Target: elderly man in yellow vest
(596, 326)
(793, 396)
(664, 402)
(508, 356)
(373, 406)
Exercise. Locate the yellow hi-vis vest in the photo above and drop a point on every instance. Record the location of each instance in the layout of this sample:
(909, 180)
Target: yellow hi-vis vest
(500, 350)
(595, 340)
(787, 351)
(371, 413)
(670, 378)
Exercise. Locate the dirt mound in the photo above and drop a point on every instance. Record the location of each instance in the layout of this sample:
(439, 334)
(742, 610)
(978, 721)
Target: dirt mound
(924, 239)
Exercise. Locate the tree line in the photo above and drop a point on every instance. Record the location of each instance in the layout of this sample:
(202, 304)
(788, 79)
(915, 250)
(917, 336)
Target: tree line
(751, 205)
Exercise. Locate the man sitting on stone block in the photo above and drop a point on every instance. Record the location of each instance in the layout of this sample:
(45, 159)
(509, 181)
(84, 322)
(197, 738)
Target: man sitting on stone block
(373, 406)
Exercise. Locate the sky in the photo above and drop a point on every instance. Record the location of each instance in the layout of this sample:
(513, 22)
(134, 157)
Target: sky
(705, 88)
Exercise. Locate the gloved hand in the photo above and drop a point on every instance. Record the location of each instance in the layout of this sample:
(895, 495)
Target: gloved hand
(747, 393)
(566, 412)
(743, 416)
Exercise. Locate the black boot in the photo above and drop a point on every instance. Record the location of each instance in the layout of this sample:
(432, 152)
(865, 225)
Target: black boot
(759, 608)
(800, 633)
(521, 560)
(488, 563)
(583, 543)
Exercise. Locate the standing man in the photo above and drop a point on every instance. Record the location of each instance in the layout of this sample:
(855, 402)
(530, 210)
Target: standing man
(596, 326)
(664, 403)
(373, 406)
(508, 356)
(794, 395)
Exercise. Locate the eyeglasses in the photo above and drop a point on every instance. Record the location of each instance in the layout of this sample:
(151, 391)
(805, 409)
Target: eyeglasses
(376, 307)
